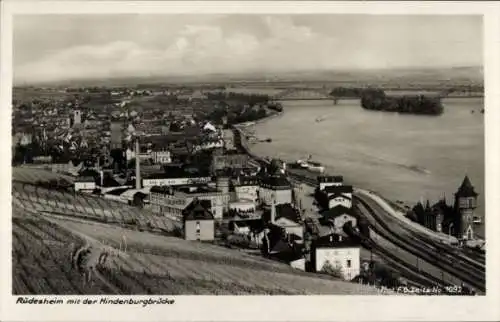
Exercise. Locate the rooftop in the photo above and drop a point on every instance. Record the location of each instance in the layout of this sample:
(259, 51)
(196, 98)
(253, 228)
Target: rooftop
(338, 189)
(466, 189)
(198, 210)
(276, 181)
(335, 241)
(330, 179)
(337, 211)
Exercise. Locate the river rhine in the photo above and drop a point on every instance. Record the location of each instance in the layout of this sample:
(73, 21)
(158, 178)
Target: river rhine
(403, 157)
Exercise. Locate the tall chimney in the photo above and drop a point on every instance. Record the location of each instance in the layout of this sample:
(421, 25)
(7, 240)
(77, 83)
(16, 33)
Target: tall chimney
(137, 165)
(273, 211)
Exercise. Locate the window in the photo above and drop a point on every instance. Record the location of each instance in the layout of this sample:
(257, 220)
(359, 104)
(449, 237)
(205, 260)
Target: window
(348, 263)
(198, 227)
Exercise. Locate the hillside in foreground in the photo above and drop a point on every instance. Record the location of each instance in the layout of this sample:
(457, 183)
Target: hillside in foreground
(139, 261)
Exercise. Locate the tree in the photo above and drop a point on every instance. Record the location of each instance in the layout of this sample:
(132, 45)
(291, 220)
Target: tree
(335, 271)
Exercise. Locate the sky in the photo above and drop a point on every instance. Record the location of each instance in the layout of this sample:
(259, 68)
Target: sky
(69, 47)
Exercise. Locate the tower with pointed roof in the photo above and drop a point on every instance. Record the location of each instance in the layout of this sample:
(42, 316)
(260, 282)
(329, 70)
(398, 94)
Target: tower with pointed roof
(465, 205)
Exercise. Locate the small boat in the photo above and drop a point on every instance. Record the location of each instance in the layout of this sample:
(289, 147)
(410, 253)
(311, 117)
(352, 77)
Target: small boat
(269, 140)
(316, 167)
(311, 165)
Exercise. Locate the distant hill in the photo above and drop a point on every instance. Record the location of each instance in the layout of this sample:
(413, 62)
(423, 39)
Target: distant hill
(458, 75)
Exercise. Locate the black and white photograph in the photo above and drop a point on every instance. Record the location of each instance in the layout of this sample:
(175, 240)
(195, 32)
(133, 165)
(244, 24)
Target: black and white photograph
(158, 153)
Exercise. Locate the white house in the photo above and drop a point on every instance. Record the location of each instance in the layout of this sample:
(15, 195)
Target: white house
(339, 196)
(246, 188)
(327, 181)
(161, 156)
(275, 189)
(338, 253)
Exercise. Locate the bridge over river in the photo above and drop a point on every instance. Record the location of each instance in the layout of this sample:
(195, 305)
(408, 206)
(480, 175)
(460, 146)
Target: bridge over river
(319, 94)
(303, 94)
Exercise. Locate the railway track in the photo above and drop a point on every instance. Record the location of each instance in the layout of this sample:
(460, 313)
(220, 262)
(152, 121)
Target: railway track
(453, 254)
(440, 259)
(415, 277)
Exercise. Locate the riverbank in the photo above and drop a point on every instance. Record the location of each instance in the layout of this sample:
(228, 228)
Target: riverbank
(425, 160)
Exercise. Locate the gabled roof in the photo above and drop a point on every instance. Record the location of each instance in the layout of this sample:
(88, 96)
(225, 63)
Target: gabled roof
(276, 181)
(334, 241)
(284, 211)
(466, 189)
(85, 179)
(336, 195)
(198, 210)
(337, 211)
(338, 189)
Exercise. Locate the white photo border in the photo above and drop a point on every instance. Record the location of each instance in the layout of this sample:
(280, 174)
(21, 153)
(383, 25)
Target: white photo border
(266, 308)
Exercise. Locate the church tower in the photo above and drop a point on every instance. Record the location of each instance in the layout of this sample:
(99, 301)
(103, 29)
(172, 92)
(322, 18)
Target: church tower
(465, 204)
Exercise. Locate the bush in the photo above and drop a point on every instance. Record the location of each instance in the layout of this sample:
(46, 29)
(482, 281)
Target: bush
(335, 271)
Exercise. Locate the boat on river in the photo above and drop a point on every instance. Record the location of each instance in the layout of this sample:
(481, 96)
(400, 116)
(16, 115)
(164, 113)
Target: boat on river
(311, 165)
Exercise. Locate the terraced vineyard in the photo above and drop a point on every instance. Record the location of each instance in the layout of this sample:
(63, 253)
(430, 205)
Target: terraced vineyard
(32, 175)
(48, 225)
(149, 264)
(33, 198)
(155, 264)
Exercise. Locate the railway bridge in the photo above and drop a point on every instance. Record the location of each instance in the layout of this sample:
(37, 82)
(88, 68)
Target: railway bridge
(304, 94)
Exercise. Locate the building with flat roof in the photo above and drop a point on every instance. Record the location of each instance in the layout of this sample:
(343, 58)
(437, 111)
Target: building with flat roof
(174, 199)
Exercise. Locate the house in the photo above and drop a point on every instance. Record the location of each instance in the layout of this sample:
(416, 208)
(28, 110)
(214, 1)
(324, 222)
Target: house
(231, 161)
(198, 221)
(337, 217)
(432, 217)
(246, 188)
(335, 195)
(335, 252)
(286, 217)
(276, 245)
(173, 200)
(254, 228)
(84, 184)
(275, 188)
(228, 137)
(161, 156)
(327, 181)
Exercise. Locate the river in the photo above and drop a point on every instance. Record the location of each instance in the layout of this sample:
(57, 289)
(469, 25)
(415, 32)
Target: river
(403, 157)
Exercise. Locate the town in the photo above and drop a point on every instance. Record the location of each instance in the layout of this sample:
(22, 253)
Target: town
(177, 161)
